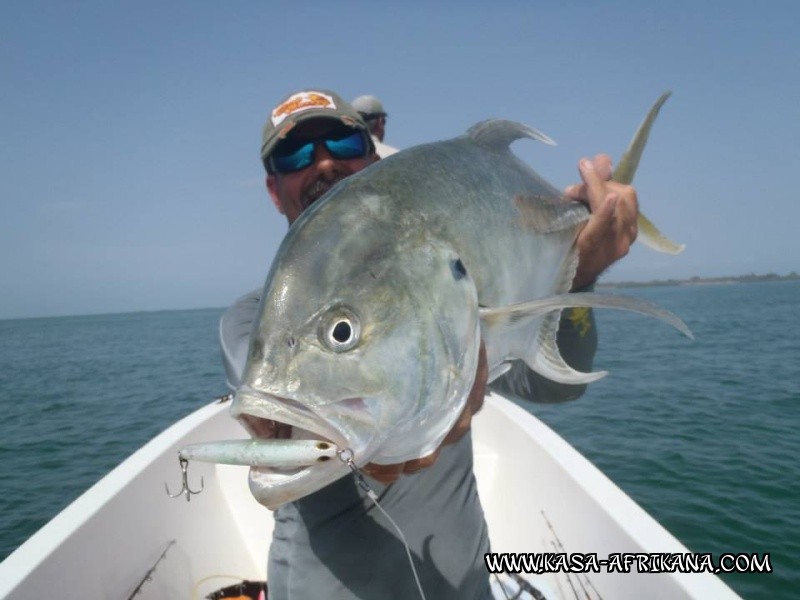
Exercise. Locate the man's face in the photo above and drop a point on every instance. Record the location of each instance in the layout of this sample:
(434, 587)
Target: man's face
(379, 128)
(293, 192)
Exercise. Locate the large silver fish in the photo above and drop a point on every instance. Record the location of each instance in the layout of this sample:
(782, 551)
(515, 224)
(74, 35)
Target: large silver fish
(372, 314)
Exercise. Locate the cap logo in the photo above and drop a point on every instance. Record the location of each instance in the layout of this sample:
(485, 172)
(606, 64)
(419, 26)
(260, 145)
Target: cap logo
(299, 102)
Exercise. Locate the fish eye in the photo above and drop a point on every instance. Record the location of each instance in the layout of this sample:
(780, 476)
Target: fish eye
(340, 330)
(458, 268)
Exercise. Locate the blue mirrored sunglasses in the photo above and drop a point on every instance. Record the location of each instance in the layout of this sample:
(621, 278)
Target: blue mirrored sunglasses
(341, 146)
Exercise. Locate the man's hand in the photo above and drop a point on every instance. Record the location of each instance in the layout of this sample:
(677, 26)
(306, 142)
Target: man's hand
(389, 473)
(611, 229)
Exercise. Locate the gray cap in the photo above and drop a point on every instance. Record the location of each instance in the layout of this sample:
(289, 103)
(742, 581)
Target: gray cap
(369, 107)
(304, 106)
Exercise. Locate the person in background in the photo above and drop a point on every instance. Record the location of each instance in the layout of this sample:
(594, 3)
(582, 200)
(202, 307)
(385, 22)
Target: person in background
(371, 110)
(334, 543)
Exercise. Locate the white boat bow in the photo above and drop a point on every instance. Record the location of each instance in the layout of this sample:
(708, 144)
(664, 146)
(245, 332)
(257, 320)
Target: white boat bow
(539, 495)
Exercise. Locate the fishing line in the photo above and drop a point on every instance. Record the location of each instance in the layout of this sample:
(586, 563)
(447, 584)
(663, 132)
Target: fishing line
(346, 456)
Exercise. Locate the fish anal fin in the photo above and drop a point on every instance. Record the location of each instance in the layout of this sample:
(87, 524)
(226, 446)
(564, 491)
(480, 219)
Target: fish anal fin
(498, 371)
(548, 214)
(547, 361)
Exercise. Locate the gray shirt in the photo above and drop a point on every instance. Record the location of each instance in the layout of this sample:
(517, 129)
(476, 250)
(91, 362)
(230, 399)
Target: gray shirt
(335, 543)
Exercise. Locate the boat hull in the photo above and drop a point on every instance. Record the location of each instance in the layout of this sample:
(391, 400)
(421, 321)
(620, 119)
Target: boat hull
(539, 495)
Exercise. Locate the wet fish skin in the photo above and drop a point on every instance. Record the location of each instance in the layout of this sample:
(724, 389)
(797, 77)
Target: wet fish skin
(371, 316)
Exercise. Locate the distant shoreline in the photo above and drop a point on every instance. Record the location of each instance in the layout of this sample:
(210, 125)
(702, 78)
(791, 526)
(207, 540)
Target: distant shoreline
(751, 278)
(793, 276)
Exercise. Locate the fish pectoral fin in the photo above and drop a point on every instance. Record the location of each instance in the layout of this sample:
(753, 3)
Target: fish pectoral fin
(543, 355)
(518, 315)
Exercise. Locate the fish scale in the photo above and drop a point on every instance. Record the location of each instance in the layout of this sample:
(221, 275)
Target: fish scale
(422, 256)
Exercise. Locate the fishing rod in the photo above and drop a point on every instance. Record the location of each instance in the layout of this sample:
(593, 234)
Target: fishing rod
(148, 576)
(561, 548)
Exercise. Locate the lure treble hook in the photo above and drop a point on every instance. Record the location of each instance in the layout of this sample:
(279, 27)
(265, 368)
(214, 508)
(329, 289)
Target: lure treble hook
(185, 489)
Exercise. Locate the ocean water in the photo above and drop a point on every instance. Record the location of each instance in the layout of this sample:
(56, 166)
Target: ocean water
(703, 434)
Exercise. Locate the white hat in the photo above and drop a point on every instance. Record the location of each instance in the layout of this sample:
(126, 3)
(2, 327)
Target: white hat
(369, 107)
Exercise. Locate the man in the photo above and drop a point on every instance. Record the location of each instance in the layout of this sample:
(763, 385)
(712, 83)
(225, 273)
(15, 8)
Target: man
(334, 543)
(371, 110)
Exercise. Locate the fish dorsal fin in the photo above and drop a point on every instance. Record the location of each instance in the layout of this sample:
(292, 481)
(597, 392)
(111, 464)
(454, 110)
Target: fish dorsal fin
(497, 134)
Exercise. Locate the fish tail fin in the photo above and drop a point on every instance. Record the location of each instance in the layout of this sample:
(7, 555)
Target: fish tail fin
(651, 237)
(629, 162)
(649, 234)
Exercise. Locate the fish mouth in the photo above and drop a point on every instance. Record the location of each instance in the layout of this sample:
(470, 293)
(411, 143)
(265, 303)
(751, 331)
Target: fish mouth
(267, 417)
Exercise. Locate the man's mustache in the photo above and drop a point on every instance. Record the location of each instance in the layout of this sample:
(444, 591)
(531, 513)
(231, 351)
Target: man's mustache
(319, 187)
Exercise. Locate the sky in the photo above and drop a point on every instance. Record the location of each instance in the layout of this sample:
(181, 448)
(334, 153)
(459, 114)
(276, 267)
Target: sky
(130, 176)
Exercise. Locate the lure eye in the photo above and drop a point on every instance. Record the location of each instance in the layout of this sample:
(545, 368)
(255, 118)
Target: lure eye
(341, 330)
